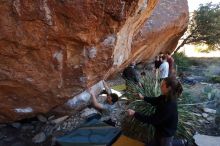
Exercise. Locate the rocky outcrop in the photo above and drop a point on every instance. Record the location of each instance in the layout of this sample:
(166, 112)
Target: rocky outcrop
(161, 32)
(206, 140)
(51, 51)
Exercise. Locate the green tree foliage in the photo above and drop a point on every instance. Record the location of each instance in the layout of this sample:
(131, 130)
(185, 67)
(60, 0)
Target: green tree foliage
(204, 27)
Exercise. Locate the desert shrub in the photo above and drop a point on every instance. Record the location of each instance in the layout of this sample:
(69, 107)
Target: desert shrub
(215, 79)
(181, 61)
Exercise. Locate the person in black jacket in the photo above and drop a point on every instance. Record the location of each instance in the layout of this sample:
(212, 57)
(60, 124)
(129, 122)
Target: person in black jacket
(157, 62)
(165, 118)
(130, 73)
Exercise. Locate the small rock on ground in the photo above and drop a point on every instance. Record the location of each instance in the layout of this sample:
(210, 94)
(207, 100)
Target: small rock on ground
(16, 125)
(42, 118)
(205, 140)
(40, 137)
(59, 120)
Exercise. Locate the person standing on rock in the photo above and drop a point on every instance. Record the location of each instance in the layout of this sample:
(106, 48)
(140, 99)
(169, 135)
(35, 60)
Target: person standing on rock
(164, 68)
(165, 118)
(170, 61)
(105, 108)
(130, 75)
(157, 64)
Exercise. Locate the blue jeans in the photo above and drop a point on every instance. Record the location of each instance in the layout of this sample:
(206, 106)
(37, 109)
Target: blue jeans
(98, 117)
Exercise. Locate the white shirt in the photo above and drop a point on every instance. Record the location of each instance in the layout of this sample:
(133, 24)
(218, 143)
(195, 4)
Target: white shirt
(164, 70)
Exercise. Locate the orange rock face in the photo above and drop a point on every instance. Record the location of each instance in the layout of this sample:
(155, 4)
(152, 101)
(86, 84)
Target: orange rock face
(52, 50)
(161, 32)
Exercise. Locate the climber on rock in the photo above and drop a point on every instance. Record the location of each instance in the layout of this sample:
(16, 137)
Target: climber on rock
(105, 109)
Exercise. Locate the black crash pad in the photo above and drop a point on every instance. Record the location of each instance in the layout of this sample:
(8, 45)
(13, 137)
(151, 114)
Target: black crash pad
(93, 133)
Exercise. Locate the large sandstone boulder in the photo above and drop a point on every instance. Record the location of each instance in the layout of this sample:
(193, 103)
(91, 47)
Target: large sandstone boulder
(52, 50)
(161, 32)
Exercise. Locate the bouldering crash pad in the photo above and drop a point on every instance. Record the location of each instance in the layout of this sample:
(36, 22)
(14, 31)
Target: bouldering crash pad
(93, 133)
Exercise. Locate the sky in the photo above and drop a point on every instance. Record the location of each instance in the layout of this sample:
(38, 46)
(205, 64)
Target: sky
(191, 51)
(194, 4)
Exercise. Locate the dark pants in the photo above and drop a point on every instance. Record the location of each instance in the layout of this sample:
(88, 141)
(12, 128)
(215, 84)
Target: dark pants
(164, 141)
(98, 117)
(93, 116)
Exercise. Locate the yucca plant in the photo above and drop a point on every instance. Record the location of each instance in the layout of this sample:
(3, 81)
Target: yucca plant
(187, 124)
(151, 88)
